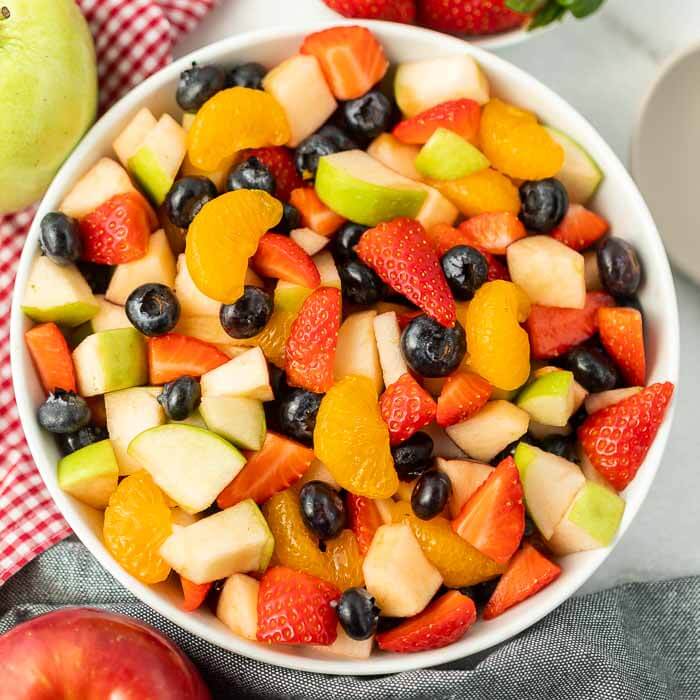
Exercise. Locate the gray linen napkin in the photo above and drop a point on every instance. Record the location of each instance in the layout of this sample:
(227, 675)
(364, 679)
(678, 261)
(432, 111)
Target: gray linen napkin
(639, 641)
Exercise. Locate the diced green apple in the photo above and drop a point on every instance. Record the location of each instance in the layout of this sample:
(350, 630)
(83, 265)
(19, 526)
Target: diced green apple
(356, 352)
(399, 156)
(90, 474)
(289, 296)
(346, 647)
(549, 399)
(465, 476)
(327, 270)
(447, 156)
(579, 392)
(109, 317)
(133, 136)
(388, 336)
(195, 419)
(385, 508)
(603, 399)
(239, 420)
(246, 375)
(206, 328)
(238, 605)
(443, 445)
(192, 301)
(309, 241)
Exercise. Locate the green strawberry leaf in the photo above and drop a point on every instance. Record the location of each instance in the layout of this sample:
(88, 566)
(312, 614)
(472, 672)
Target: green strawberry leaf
(545, 12)
(526, 7)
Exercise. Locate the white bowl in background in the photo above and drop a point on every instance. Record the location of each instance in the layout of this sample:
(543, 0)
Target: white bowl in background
(618, 199)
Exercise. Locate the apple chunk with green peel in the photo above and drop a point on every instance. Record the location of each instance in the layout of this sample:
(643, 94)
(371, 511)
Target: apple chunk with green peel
(190, 464)
(580, 174)
(246, 375)
(356, 352)
(447, 156)
(549, 399)
(239, 420)
(90, 474)
(395, 154)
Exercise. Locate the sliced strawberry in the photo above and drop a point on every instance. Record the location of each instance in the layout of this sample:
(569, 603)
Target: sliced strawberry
(314, 213)
(616, 439)
(497, 270)
(554, 331)
(406, 407)
(173, 355)
(351, 58)
(493, 519)
(443, 622)
(389, 10)
(117, 231)
(280, 257)
(529, 572)
(363, 519)
(580, 228)
(406, 317)
(194, 594)
(400, 254)
(472, 17)
(312, 342)
(274, 467)
(462, 395)
(622, 334)
(493, 232)
(296, 608)
(461, 116)
(51, 356)
(280, 162)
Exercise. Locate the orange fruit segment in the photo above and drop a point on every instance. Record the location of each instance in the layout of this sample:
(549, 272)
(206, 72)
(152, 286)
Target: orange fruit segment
(137, 522)
(222, 238)
(344, 561)
(352, 440)
(232, 120)
(481, 193)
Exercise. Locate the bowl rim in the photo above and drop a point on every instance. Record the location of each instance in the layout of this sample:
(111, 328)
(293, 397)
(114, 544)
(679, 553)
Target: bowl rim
(538, 606)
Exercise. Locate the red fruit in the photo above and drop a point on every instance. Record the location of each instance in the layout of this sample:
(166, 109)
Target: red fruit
(493, 232)
(462, 395)
(172, 355)
(274, 467)
(351, 59)
(280, 257)
(314, 213)
(296, 608)
(622, 334)
(529, 572)
(554, 331)
(497, 270)
(280, 162)
(405, 318)
(580, 228)
(616, 439)
(461, 116)
(443, 622)
(400, 254)
(313, 338)
(493, 519)
(406, 407)
(117, 231)
(391, 10)
(468, 16)
(193, 594)
(51, 356)
(363, 519)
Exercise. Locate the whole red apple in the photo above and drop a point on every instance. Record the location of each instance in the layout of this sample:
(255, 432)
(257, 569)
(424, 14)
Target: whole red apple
(87, 654)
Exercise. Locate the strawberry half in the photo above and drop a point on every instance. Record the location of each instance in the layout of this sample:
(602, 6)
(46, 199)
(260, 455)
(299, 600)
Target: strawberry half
(475, 17)
(312, 342)
(406, 407)
(118, 231)
(390, 10)
(461, 116)
(529, 572)
(554, 331)
(492, 232)
(363, 519)
(51, 356)
(493, 519)
(580, 228)
(616, 439)
(400, 254)
(274, 467)
(280, 257)
(314, 213)
(462, 395)
(443, 622)
(173, 355)
(296, 608)
(622, 334)
(280, 162)
(194, 594)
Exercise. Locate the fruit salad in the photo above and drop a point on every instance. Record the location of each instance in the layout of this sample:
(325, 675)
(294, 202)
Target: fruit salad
(353, 361)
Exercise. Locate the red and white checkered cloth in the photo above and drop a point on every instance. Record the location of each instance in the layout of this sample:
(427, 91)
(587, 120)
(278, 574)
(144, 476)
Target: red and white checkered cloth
(133, 39)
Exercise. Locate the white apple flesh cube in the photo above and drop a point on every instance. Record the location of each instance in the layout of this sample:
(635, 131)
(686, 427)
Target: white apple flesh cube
(388, 336)
(443, 445)
(604, 399)
(346, 647)
(246, 375)
(133, 136)
(239, 420)
(238, 605)
(549, 398)
(109, 317)
(399, 156)
(90, 474)
(356, 352)
(466, 476)
(327, 270)
(192, 301)
(318, 471)
(308, 240)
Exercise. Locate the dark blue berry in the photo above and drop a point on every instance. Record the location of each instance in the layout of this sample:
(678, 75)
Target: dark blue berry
(345, 240)
(180, 397)
(251, 174)
(432, 350)
(544, 204)
(360, 284)
(413, 456)
(368, 116)
(618, 267)
(63, 412)
(338, 137)
(630, 303)
(592, 368)
(59, 238)
(153, 309)
(197, 85)
(291, 219)
(358, 613)
(297, 411)
(509, 450)
(72, 442)
(308, 152)
(97, 276)
(466, 269)
(530, 527)
(480, 593)
(430, 494)
(322, 509)
(248, 315)
(577, 420)
(249, 75)
(560, 445)
(186, 198)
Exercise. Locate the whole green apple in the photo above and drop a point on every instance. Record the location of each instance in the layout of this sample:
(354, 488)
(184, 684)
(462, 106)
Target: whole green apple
(48, 93)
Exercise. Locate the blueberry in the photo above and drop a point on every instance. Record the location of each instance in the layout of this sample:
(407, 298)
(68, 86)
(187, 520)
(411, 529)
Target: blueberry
(278, 381)
(251, 174)
(430, 494)
(72, 442)
(197, 85)
(480, 593)
(413, 456)
(153, 309)
(630, 303)
(297, 411)
(248, 315)
(618, 267)
(560, 445)
(338, 137)
(308, 152)
(360, 284)
(63, 412)
(544, 204)
(59, 238)
(291, 219)
(345, 240)
(249, 75)
(186, 197)
(368, 116)
(322, 509)
(97, 276)
(592, 368)
(358, 613)
(432, 350)
(180, 397)
(466, 269)
(530, 527)
(509, 450)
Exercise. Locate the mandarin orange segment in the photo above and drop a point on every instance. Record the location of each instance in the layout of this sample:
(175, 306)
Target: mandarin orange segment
(516, 144)
(232, 120)
(480, 193)
(272, 340)
(137, 522)
(499, 349)
(223, 236)
(344, 561)
(352, 440)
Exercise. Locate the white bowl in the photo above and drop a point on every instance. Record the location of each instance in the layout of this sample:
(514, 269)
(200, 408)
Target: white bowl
(618, 199)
